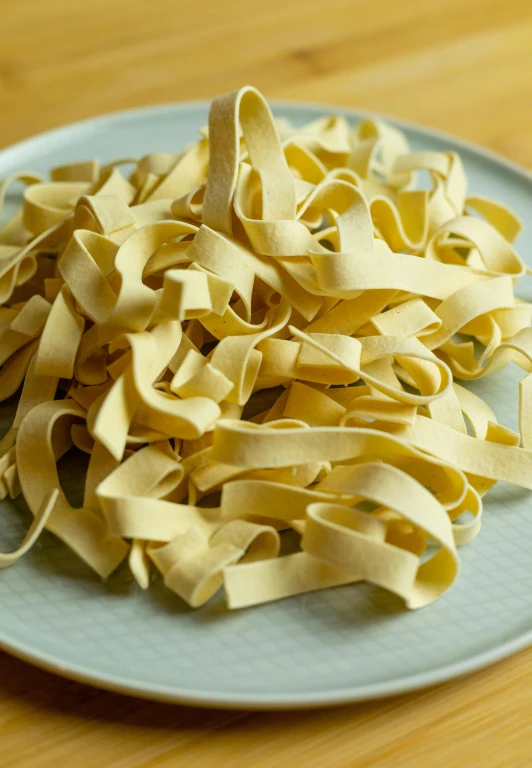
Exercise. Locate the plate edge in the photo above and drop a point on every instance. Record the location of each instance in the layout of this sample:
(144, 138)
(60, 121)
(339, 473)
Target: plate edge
(259, 702)
(354, 112)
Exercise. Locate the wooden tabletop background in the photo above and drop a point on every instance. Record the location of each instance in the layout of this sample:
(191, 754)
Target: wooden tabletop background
(460, 65)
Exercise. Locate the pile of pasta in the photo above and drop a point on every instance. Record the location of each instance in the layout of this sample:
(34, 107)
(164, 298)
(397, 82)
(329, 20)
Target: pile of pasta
(263, 332)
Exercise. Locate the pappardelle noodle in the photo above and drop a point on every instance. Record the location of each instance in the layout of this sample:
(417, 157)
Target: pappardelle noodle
(265, 331)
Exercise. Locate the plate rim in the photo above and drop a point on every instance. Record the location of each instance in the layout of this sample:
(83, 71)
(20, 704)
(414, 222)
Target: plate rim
(323, 107)
(264, 701)
(249, 699)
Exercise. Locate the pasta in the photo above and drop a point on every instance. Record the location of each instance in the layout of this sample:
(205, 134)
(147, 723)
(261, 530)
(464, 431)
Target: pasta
(262, 333)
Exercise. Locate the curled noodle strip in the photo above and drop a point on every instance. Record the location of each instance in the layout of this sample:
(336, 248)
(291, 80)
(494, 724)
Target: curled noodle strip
(263, 332)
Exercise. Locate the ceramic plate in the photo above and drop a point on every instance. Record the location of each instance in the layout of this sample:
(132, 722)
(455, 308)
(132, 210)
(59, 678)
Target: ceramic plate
(331, 647)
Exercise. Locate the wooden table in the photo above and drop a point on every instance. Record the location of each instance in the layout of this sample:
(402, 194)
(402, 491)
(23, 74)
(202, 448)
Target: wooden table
(460, 65)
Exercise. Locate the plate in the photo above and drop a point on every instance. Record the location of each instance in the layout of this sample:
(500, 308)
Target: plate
(330, 647)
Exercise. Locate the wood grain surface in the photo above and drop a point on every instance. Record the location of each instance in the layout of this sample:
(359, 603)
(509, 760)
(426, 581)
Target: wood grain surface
(460, 65)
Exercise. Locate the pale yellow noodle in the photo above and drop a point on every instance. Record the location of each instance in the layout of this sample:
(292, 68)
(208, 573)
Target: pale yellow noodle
(259, 333)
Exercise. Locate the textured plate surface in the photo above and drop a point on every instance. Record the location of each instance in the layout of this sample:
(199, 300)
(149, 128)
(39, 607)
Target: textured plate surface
(330, 647)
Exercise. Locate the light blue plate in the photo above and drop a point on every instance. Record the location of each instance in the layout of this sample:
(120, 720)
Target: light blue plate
(326, 648)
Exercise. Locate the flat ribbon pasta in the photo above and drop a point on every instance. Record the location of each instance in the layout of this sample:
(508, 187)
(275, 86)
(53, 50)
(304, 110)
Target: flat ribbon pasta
(263, 331)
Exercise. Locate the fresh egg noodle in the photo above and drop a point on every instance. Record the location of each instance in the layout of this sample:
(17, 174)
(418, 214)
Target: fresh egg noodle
(262, 333)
